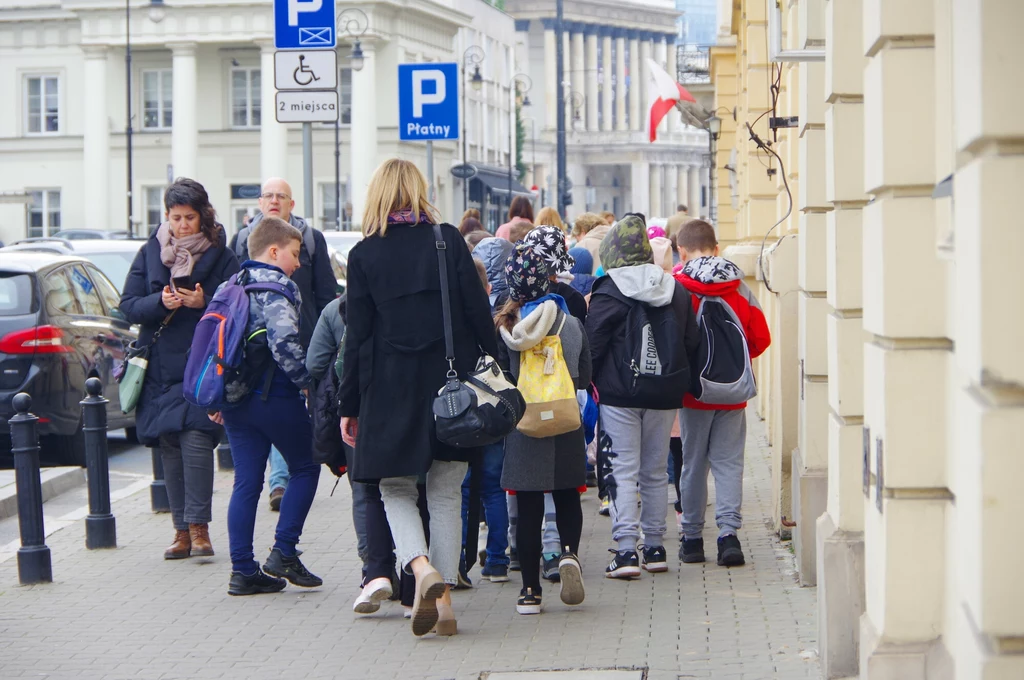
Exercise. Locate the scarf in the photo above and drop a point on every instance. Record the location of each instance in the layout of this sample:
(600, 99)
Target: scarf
(406, 216)
(530, 330)
(712, 269)
(180, 254)
(553, 297)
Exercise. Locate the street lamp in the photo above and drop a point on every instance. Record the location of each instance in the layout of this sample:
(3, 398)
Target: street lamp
(577, 100)
(714, 125)
(474, 55)
(351, 21)
(513, 91)
(156, 15)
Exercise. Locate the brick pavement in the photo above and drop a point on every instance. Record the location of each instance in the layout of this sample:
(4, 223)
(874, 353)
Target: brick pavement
(129, 615)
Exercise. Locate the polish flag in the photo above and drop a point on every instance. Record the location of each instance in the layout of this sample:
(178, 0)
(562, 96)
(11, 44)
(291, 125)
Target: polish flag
(664, 93)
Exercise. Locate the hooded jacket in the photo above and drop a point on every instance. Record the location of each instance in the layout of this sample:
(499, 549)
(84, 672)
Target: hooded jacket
(719, 277)
(592, 242)
(613, 296)
(494, 252)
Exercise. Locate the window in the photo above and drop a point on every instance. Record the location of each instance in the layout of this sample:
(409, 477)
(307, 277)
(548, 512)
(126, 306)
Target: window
(157, 95)
(42, 105)
(85, 291)
(58, 296)
(345, 92)
(111, 298)
(154, 207)
(44, 212)
(245, 97)
(330, 209)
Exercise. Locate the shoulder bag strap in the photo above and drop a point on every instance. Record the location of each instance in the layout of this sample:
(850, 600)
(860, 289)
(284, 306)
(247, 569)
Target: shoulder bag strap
(163, 325)
(446, 304)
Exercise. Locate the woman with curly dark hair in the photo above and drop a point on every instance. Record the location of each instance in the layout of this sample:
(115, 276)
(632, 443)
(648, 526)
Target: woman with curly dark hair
(170, 283)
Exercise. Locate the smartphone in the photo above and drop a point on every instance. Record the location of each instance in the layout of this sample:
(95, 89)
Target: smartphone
(183, 282)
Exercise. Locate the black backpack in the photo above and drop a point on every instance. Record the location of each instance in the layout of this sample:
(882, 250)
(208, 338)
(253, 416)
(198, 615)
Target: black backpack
(328, 447)
(658, 369)
(725, 375)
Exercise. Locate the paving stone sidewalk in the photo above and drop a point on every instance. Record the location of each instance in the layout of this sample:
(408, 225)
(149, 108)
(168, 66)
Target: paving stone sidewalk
(126, 614)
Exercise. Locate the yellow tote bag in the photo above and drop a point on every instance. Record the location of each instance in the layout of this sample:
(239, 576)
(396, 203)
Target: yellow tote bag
(548, 389)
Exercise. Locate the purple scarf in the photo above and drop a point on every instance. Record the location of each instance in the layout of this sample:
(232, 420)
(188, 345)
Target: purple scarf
(407, 217)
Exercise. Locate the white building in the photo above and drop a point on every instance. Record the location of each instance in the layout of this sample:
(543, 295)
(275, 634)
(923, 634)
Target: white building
(201, 107)
(610, 161)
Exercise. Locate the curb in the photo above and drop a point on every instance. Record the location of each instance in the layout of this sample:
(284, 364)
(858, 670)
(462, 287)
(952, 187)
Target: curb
(54, 482)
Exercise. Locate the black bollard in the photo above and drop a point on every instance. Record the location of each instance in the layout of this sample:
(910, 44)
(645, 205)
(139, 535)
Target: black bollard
(158, 489)
(33, 555)
(100, 527)
(224, 460)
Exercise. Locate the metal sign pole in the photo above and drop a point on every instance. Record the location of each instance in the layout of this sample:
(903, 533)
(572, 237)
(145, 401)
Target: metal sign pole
(307, 171)
(430, 171)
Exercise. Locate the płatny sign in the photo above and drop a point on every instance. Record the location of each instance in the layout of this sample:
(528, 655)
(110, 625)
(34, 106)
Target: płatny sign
(428, 101)
(306, 107)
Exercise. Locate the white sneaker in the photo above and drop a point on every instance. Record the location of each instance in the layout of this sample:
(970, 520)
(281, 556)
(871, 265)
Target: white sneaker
(373, 593)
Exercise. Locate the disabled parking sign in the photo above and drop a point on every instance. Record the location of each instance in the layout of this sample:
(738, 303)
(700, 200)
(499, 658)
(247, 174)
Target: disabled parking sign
(304, 24)
(428, 101)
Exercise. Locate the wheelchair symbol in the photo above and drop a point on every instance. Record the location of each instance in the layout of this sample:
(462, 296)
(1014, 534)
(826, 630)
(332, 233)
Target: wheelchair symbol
(307, 73)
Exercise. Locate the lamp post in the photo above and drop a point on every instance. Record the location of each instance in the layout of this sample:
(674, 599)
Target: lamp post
(560, 114)
(578, 101)
(353, 22)
(474, 55)
(513, 88)
(715, 129)
(156, 15)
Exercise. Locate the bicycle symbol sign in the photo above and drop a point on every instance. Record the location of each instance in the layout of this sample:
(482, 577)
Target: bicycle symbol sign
(305, 70)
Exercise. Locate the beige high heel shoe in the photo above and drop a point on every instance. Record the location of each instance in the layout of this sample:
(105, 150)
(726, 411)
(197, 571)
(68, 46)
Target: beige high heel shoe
(429, 587)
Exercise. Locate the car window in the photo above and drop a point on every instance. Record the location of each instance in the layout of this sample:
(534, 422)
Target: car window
(58, 296)
(85, 291)
(110, 296)
(16, 294)
(115, 265)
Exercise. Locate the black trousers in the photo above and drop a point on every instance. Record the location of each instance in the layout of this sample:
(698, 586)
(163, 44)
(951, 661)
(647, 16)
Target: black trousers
(568, 516)
(675, 447)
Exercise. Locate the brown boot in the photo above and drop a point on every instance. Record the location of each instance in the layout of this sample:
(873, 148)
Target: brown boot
(181, 548)
(200, 534)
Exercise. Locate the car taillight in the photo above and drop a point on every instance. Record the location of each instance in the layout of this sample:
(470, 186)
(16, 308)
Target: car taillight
(38, 340)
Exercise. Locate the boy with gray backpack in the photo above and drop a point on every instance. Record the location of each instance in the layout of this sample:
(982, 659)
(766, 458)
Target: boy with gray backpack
(713, 419)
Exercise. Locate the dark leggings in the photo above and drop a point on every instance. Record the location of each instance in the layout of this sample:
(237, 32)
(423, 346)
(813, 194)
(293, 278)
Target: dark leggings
(407, 582)
(569, 517)
(675, 447)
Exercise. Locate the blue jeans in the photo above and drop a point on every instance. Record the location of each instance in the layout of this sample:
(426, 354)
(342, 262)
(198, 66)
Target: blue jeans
(278, 470)
(252, 428)
(493, 499)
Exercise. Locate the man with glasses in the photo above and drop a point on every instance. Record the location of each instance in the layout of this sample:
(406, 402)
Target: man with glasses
(315, 280)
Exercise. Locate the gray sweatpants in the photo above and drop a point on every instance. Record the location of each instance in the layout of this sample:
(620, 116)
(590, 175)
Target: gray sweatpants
(712, 440)
(637, 441)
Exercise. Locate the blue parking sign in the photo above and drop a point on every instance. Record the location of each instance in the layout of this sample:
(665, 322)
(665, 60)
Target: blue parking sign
(304, 24)
(428, 101)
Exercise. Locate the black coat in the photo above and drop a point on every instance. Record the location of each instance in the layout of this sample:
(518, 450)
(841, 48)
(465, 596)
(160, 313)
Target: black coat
(162, 408)
(394, 349)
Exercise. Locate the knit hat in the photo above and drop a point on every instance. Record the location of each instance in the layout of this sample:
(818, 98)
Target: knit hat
(626, 244)
(662, 248)
(654, 231)
(549, 242)
(584, 261)
(527, 273)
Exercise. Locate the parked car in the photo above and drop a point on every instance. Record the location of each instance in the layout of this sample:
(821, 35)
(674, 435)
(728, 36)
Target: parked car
(342, 241)
(113, 257)
(59, 326)
(78, 234)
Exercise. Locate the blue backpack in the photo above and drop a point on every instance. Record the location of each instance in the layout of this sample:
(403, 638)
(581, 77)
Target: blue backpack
(223, 363)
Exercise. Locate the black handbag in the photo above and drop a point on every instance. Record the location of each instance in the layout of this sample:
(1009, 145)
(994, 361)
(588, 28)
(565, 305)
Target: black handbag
(485, 407)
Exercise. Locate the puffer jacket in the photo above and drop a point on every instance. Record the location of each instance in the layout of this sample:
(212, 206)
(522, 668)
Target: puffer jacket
(494, 252)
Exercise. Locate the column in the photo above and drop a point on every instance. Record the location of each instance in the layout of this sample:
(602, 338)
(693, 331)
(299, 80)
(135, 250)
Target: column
(606, 78)
(550, 75)
(567, 80)
(653, 207)
(96, 141)
(363, 131)
(661, 58)
(642, 76)
(579, 72)
(640, 186)
(635, 87)
(621, 95)
(590, 77)
(184, 126)
(692, 189)
(673, 119)
(273, 135)
(522, 47)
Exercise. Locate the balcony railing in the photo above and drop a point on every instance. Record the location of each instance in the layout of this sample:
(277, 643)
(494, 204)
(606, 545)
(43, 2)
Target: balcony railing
(693, 65)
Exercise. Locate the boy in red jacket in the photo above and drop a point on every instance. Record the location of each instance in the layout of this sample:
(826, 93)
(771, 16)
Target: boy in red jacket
(714, 435)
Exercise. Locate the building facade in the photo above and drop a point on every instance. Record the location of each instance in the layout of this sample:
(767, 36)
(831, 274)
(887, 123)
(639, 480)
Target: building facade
(202, 99)
(610, 161)
(893, 388)
(698, 25)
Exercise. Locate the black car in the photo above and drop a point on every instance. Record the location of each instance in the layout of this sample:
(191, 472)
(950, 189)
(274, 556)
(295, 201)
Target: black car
(59, 326)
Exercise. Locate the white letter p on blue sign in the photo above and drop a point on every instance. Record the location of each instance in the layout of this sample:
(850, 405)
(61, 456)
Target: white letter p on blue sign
(419, 97)
(295, 7)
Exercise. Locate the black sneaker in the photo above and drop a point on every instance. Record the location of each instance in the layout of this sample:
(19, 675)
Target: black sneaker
(513, 560)
(550, 568)
(691, 550)
(626, 565)
(292, 569)
(464, 582)
(571, 576)
(655, 559)
(254, 584)
(729, 552)
(528, 603)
